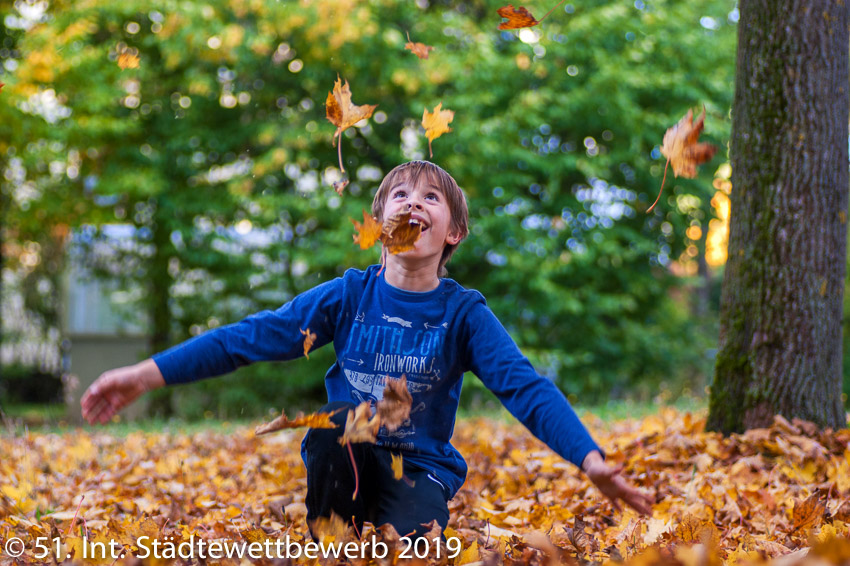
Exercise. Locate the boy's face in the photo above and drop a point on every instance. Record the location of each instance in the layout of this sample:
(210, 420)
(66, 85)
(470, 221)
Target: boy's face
(428, 205)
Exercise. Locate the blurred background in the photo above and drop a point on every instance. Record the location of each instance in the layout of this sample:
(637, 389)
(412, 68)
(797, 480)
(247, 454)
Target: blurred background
(166, 168)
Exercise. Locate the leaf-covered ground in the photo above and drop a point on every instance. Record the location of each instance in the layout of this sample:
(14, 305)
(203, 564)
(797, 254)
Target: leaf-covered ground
(770, 493)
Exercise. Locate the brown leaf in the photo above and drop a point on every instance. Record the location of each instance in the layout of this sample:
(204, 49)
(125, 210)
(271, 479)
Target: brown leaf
(583, 542)
(360, 425)
(329, 528)
(340, 185)
(436, 123)
(517, 17)
(807, 513)
(399, 234)
(315, 420)
(541, 542)
(394, 408)
(341, 112)
(368, 232)
(309, 339)
(419, 49)
(398, 466)
(681, 149)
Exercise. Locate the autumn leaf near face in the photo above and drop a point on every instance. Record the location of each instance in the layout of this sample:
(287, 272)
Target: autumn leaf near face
(394, 408)
(680, 147)
(436, 124)
(309, 339)
(399, 234)
(315, 420)
(419, 49)
(360, 425)
(517, 17)
(128, 61)
(342, 113)
(368, 232)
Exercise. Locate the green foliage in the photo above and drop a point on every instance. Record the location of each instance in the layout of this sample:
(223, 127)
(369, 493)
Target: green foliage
(555, 141)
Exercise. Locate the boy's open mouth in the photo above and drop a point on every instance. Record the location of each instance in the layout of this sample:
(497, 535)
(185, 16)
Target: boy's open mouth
(417, 222)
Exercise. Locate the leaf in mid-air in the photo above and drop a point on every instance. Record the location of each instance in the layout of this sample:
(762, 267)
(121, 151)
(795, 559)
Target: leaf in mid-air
(436, 123)
(309, 339)
(682, 150)
(128, 61)
(419, 49)
(360, 425)
(517, 17)
(343, 114)
(368, 232)
(315, 420)
(400, 232)
(394, 408)
(398, 466)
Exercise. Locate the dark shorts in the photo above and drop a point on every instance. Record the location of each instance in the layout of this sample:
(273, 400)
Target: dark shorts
(407, 504)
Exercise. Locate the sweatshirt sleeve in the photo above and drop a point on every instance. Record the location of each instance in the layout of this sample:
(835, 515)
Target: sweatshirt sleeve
(534, 400)
(266, 335)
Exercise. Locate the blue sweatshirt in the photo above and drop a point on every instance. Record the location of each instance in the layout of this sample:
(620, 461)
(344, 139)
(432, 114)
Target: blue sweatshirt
(379, 330)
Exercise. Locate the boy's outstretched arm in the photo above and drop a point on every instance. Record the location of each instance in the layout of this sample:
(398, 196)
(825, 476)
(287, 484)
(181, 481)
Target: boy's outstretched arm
(608, 480)
(117, 388)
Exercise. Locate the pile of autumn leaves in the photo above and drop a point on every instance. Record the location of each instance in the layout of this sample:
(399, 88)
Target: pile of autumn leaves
(779, 495)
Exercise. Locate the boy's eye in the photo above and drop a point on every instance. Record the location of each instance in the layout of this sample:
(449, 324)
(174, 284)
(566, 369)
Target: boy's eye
(432, 196)
(399, 194)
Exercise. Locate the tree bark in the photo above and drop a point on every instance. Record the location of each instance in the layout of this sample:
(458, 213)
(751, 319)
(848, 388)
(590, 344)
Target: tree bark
(780, 346)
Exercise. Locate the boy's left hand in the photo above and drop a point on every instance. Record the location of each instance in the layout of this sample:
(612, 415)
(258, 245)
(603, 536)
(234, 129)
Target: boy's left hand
(609, 481)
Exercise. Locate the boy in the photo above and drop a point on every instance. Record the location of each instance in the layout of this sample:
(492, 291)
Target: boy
(406, 321)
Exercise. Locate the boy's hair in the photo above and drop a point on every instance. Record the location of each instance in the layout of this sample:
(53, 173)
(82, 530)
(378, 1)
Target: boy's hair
(412, 172)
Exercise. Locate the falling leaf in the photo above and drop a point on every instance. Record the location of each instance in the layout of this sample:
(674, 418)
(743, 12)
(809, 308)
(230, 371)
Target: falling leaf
(128, 61)
(517, 17)
(2, 85)
(343, 114)
(680, 147)
(360, 425)
(399, 234)
(541, 542)
(398, 466)
(340, 185)
(394, 408)
(309, 339)
(436, 123)
(368, 232)
(315, 420)
(419, 49)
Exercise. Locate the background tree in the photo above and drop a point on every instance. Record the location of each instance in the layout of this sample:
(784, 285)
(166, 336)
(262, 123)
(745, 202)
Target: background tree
(780, 338)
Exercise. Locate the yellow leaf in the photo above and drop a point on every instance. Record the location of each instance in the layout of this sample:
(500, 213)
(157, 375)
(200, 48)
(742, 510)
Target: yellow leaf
(309, 339)
(436, 123)
(398, 466)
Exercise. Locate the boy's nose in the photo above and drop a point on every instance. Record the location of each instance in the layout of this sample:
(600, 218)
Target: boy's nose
(414, 205)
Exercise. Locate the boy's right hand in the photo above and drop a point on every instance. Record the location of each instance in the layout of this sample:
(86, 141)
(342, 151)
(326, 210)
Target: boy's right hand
(117, 388)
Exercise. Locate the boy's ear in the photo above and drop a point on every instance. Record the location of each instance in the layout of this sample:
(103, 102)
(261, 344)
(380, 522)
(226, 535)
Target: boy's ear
(453, 238)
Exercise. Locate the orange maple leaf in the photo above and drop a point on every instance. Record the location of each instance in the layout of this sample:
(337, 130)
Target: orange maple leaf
(315, 420)
(436, 123)
(368, 232)
(517, 17)
(2, 85)
(342, 113)
(520, 17)
(309, 339)
(128, 61)
(680, 147)
(808, 513)
(419, 49)
(399, 234)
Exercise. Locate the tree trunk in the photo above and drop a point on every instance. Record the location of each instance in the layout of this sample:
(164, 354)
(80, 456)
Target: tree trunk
(780, 346)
